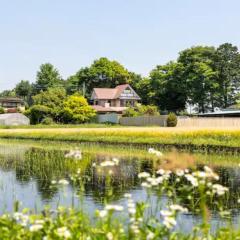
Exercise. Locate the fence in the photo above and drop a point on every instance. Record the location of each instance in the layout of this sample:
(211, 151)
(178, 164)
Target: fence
(109, 117)
(144, 121)
(209, 122)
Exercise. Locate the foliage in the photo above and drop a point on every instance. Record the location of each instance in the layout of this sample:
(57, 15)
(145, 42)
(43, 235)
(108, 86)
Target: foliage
(23, 89)
(102, 73)
(37, 113)
(52, 98)
(141, 110)
(227, 64)
(77, 110)
(47, 121)
(169, 89)
(2, 110)
(172, 120)
(47, 77)
(184, 191)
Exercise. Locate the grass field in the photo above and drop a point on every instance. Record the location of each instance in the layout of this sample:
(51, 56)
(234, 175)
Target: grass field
(199, 138)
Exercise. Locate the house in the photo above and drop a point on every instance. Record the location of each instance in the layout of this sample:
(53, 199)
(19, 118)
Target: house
(114, 100)
(12, 104)
(13, 119)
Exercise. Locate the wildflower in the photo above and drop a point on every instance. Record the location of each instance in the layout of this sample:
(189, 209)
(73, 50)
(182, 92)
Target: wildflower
(107, 164)
(94, 164)
(114, 207)
(166, 213)
(63, 182)
(53, 181)
(192, 179)
(161, 171)
(35, 227)
(127, 195)
(219, 189)
(143, 175)
(150, 235)
(179, 208)
(179, 172)
(77, 154)
(102, 213)
(132, 210)
(109, 236)
(63, 232)
(116, 161)
(156, 152)
(169, 222)
(146, 185)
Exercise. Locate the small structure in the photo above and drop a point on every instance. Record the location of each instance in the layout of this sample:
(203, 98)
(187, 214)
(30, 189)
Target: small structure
(12, 104)
(13, 119)
(114, 100)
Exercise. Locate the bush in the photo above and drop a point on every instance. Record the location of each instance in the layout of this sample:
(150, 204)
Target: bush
(130, 112)
(2, 110)
(172, 120)
(141, 110)
(77, 110)
(47, 121)
(37, 113)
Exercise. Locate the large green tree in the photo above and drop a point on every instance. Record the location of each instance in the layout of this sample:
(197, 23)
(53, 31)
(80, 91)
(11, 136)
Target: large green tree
(227, 64)
(199, 76)
(168, 87)
(53, 99)
(23, 89)
(47, 76)
(102, 73)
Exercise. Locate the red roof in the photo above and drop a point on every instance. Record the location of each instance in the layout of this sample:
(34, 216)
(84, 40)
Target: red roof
(109, 93)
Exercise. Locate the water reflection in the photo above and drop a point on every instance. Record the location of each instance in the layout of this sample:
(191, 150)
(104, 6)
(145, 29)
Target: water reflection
(27, 174)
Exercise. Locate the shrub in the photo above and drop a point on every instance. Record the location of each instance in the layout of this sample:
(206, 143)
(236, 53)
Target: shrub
(141, 110)
(37, 113)
(2, 110)
(172, 120)
(47, 121)
(130, 112)
(77, 110)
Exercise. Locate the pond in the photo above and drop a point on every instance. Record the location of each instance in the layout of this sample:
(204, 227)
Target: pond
(28, 173)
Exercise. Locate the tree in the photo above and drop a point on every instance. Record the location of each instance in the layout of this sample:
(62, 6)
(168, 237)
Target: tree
(37, 113)
(47, 77)
(168, 87)
(227, 64)
(53, 98)
(199, 76)
(8, 93)
(102, 73)
(77, 110)
(23, 89)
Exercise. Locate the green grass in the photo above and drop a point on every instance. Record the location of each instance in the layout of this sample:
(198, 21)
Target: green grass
(190, 138)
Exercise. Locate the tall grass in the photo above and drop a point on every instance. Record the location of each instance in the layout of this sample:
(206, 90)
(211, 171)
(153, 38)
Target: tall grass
(198, 138)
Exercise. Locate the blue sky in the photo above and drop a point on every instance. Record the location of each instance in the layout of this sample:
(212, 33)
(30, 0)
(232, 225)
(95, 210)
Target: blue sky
(138, 33)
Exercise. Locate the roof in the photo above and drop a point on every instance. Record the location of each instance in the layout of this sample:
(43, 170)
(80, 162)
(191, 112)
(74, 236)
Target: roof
(11, 99)
(221, 113)
(12, 115)
(101, 109)
(110, 93)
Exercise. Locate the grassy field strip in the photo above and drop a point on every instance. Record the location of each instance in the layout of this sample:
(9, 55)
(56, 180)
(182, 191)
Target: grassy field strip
(134, 135)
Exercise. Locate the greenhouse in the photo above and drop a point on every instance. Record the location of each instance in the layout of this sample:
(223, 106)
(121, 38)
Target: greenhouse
(13, 119)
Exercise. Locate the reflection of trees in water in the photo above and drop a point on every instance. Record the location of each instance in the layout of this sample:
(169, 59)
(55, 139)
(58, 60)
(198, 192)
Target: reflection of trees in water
(123, 177)
(43, 166)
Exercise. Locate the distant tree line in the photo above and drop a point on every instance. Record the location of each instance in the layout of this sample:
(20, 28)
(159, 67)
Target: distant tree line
(202, 76)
